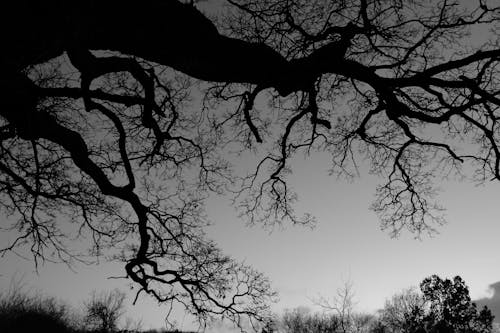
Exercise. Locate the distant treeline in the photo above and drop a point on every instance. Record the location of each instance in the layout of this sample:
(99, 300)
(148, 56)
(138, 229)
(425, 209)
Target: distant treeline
(438, 306)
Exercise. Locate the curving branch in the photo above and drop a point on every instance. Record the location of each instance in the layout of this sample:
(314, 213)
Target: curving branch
(100, 123)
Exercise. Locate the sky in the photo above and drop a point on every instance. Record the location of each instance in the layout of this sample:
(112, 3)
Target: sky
(303, 264)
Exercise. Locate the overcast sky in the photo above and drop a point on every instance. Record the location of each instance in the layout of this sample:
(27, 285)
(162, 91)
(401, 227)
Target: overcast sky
(303, 264)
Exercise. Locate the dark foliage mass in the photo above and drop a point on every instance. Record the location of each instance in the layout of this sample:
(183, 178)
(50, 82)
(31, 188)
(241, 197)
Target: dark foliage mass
(451, 309)
(23, 313)
(442, 305)
(118, 119)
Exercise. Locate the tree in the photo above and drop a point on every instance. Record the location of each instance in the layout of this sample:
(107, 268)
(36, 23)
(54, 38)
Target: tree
(404, 312)
(451, 309)
(101, 128)
(104, 310)
(342, 308)
(441, 306)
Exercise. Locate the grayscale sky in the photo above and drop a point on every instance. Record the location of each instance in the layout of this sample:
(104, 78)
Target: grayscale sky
(303, 264)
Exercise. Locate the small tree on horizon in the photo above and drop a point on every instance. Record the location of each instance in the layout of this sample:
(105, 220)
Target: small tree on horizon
(104, 310)
(404, 311)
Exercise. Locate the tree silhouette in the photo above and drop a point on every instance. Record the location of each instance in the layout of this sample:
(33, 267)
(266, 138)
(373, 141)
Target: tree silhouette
(451, 309)
(404, 312)
(104, 310)
(117, 119)
(443, 305)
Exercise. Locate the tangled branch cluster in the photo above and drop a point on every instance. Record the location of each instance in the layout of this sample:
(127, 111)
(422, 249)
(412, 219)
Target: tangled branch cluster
(120, 131)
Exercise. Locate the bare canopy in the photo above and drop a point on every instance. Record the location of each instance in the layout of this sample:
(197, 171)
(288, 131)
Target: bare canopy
(117, 119)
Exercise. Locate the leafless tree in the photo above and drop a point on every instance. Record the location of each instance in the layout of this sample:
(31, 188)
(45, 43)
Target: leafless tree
(104, 310)
(104, 134)
(404, 311)
(342, 306)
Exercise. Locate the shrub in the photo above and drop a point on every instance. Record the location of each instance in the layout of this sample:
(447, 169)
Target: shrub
(21, 312)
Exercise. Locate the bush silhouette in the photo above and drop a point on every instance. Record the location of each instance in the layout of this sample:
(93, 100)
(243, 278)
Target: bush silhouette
(23, 313)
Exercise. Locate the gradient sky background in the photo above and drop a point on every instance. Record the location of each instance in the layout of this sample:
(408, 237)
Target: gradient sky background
(303, 264)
